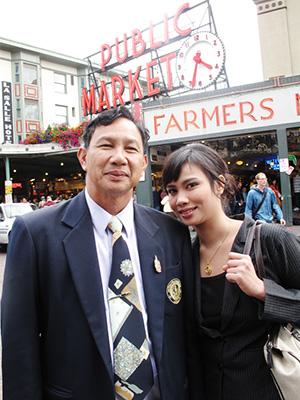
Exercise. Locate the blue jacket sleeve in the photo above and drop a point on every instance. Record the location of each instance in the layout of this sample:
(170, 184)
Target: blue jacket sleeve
(249, 205)
(275, 207)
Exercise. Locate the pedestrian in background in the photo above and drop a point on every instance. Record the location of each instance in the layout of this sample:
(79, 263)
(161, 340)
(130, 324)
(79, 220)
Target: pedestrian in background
(49, 202)
(90, 310)
(235, 308)
(236, 204)
(275, 188)
(42, 202)
(261, 202)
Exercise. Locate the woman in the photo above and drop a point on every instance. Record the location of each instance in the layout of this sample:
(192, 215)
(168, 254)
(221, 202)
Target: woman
(236, 309)
(275, 188)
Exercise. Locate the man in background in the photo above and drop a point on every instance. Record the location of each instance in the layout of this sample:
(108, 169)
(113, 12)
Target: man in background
(261, 202)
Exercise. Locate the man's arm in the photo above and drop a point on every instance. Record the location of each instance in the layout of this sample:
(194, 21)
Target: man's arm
(19, 319)
(276, 208)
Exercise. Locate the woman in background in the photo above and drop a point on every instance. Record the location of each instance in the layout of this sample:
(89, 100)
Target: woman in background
(236, 309)
(275, 188)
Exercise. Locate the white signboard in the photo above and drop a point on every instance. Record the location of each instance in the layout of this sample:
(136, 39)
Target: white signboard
(283, 164)
(258, 109)
(8, 191)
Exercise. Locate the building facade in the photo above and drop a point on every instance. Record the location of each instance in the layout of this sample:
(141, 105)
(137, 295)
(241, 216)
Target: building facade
(254, 127)
(279, 30)
(39, 88)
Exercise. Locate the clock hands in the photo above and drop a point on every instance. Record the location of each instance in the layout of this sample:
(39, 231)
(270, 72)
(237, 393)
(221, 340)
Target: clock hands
(195, 58)
(198, 60)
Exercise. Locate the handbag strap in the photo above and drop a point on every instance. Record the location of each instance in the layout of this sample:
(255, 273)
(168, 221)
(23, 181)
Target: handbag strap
(258, 253)
(249, 239)
(253, 237)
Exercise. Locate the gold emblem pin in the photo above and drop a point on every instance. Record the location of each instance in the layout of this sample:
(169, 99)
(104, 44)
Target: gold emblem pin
(157, 265)
(174, 290)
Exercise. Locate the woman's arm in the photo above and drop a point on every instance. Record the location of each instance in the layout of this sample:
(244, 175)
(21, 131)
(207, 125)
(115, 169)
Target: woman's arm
(281, 255)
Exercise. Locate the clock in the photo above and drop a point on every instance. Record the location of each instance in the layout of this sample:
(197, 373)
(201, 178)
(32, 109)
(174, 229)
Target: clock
(200, 60)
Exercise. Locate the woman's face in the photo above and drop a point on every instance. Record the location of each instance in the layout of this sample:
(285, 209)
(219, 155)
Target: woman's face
(192, 198)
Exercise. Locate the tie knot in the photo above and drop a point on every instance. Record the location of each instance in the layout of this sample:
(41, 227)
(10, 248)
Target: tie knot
(115, 225)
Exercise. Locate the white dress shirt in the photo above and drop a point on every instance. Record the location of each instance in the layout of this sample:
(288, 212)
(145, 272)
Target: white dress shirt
(103, 239)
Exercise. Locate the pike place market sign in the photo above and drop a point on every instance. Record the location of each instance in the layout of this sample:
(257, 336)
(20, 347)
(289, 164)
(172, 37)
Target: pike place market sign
(150, 76)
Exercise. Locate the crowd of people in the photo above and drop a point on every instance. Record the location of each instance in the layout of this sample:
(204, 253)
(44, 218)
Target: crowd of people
(45, 201)
(104, 298)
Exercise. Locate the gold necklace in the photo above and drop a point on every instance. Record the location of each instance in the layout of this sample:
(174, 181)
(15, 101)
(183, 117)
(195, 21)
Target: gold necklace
(208, 268)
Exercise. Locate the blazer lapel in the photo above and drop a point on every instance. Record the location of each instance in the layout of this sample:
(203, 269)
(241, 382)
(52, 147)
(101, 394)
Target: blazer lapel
(232, 291)
(153, 281)
(81, 253)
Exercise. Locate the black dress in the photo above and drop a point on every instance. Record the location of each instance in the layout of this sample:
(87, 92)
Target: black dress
(212, 291)
(233, 327)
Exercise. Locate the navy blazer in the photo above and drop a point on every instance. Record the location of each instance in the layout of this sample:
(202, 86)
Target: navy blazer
(54, 331)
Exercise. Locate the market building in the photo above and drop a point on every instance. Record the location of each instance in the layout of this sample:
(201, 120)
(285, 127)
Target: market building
(39, 88)
(174, 74)
(255, 127)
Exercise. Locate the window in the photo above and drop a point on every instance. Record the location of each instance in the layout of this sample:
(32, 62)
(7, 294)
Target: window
(61, 114)
(18, 108)
(60, 83)
(30, 75)
(73, 112)
(72, 80)
(17, 73)
(31, 111)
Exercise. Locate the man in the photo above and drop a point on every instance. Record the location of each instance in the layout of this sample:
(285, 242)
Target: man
(58, 326)
(49, 202)
(261, 202)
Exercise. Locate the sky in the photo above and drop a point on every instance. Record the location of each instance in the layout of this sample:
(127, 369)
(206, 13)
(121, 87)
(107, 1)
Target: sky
(78, 29)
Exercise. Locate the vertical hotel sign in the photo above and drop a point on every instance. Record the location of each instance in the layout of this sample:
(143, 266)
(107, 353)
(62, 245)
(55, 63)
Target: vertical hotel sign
(7, 113)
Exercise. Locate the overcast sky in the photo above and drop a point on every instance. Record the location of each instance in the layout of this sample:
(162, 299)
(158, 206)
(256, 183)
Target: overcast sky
(79, 28)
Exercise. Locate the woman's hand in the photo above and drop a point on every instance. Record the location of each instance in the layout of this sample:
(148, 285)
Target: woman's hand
(240, 270)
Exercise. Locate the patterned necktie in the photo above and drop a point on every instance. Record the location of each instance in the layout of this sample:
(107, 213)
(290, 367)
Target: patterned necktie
(133, 375)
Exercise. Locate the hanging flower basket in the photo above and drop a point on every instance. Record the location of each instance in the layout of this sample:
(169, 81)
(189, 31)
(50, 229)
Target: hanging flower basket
(65, 136)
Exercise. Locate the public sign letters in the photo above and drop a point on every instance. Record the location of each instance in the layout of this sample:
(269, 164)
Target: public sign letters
(117, 92)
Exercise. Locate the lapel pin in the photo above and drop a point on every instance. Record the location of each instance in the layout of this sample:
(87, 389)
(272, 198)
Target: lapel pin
(157, 265)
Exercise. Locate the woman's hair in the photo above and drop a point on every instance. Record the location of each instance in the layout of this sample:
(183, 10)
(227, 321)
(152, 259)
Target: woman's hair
(205, 158)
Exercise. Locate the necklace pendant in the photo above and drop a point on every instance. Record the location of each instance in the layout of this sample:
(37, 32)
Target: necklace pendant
(208, 269)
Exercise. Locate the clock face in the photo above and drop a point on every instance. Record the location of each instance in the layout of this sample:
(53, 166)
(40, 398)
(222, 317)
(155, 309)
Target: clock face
(200, 60)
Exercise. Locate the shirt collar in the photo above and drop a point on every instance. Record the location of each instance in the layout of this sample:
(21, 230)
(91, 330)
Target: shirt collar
(100, 217)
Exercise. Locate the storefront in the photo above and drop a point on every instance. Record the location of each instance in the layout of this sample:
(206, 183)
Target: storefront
(255, 128)
(40, 170)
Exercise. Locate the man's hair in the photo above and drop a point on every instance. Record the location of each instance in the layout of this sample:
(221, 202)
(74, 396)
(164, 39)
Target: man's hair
(107, 117)
(258, 176)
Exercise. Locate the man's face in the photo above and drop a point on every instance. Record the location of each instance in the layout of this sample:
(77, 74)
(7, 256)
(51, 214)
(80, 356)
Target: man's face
(262, 181)
(114, 160)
